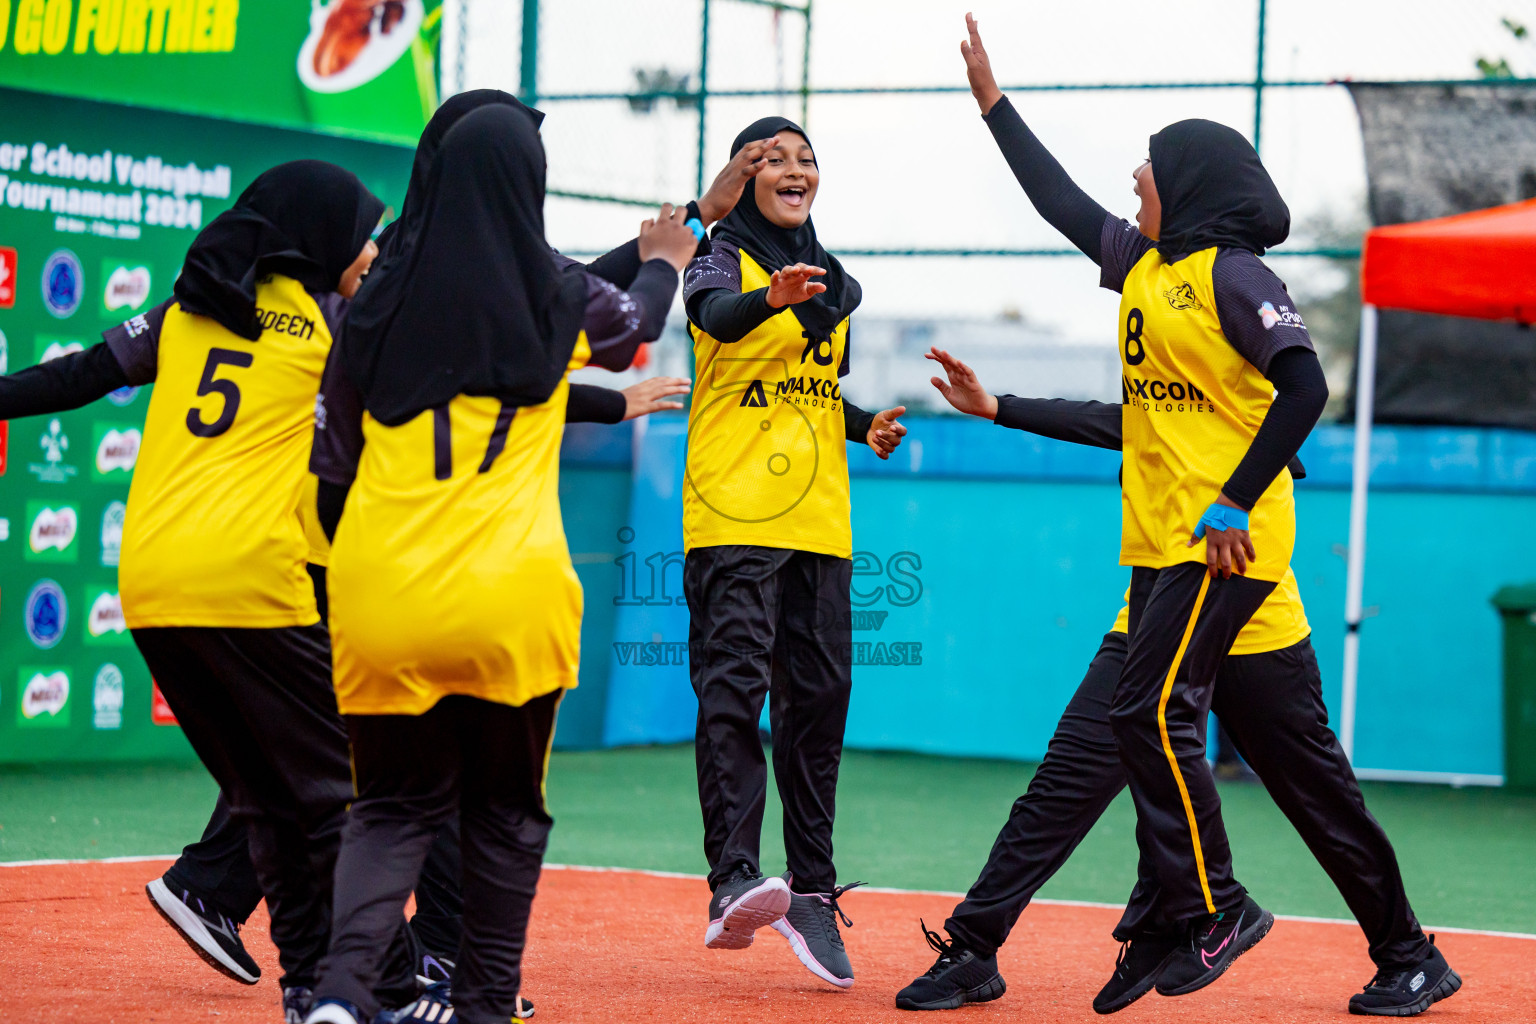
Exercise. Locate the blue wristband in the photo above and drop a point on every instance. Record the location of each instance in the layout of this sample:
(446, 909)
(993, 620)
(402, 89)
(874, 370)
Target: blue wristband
(697, 226)
(1221, 517)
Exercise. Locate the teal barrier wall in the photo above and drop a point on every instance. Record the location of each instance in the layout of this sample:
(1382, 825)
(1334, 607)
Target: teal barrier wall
(987, 576)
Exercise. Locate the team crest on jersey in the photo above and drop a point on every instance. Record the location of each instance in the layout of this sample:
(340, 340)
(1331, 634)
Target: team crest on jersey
(46, 614)
(63, 283)
(1182, 296)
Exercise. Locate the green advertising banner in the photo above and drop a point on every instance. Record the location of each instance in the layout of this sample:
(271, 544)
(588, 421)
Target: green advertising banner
(98, 203)
(355, 67)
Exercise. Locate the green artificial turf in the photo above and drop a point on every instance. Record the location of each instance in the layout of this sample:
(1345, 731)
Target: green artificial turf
(904, 821)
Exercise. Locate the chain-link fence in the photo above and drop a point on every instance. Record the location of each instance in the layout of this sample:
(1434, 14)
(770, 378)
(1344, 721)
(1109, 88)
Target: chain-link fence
(643, 99)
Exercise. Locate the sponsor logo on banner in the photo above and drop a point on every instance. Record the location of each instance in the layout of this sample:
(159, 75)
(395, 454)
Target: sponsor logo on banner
(107, 698)
(48, 348)
(5, 445)
(123, 395)
(117, 449)
(7, 278)
(43, 697)
(104, 622)
(54, 443)
(112, 532)
(51, 532)
(46, 613)
(126, 288)
(159, 711)
(63, 283)
(5, 355)
(5, 528)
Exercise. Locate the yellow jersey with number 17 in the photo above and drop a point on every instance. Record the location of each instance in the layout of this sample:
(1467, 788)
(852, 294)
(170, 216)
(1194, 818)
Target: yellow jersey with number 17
(1192, 407)
(214, 535)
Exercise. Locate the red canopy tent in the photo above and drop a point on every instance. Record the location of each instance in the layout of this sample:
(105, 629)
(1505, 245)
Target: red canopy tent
(1480, 265)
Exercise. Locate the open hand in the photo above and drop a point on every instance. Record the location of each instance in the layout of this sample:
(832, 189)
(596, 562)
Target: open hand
(978, 68)
(668, 237)
(725, 191)
(794, 284)
(962, 390)
(1226, 550)
(885, 433)
(651, 395)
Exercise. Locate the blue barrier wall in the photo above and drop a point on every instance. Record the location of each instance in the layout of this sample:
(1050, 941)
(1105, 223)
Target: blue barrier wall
(987, 576)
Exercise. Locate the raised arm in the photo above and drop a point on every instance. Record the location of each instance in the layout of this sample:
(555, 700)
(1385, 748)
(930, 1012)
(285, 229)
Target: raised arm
(128, 355)
(1064, 206)
(618, 322)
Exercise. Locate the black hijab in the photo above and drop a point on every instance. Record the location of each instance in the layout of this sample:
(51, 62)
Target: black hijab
(472, 303)
(399, 231)
(1214, 191)
(306, 219)
(774, 247)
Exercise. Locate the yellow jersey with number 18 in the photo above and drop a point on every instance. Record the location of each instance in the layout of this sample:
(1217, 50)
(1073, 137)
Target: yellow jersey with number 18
(1192, 406)
(214, 535)
(767, 446)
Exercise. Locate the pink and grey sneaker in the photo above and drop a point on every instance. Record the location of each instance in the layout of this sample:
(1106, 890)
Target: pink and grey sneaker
(741, 905)
(810, 927)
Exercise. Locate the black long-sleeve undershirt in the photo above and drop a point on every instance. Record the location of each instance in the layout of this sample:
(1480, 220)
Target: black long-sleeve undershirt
(729, 316)
(619, 266)
(1301, 391)
(1054, 194)
(589, 403)
(1097, 424)
(59, 385)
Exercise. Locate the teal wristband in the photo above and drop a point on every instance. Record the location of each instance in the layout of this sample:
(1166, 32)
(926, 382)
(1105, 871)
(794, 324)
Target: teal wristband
(1221, 517)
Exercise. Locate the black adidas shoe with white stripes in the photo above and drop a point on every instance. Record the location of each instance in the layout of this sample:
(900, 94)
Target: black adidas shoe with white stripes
(211, 935)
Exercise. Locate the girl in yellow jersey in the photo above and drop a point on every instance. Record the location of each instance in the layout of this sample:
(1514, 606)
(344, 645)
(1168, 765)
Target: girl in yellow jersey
(1221, 387)
(1267, 694)
(213, 571)
(455, 611)
(768, 540)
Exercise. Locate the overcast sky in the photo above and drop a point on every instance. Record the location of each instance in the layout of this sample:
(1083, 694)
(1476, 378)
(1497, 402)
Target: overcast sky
(919, 171)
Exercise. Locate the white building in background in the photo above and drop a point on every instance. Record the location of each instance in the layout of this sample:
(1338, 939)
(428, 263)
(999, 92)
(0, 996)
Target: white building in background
(1009, 356)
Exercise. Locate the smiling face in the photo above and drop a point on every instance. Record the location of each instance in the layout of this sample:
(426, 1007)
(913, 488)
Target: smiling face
(1149, 219)
(786, 185)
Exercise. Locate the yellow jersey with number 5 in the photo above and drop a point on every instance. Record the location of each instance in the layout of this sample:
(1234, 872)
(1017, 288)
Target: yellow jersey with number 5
(1192, 405)
(214, 535)
(450, 572)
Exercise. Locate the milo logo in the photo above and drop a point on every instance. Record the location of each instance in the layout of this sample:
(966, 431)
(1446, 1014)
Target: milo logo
(44, 697)
(127, 287)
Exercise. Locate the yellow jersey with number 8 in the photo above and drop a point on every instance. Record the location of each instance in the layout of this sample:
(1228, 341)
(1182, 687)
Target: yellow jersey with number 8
(1192, 406)
(214, 535)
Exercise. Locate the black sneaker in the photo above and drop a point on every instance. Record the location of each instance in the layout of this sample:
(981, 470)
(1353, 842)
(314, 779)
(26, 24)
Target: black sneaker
(1213, 943)
(1407, 992)
(810, 925)
(957, 977)
(211, 935)
(298, 1002)
(1140, 961)
(741, 905)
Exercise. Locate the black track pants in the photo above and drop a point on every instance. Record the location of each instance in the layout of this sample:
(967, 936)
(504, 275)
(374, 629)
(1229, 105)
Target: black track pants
(1182, 623)
(218, 869)
(257, 706)
(769, 622)
(218, 866)
(1274, 711)
(486, 760)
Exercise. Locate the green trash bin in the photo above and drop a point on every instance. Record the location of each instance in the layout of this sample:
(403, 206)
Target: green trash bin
(1517, 604)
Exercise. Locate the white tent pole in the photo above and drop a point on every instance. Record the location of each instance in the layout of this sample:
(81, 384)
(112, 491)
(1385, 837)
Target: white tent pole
(1365, 407)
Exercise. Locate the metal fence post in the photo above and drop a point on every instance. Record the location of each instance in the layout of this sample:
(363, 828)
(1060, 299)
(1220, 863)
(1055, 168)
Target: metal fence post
(528, 84)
